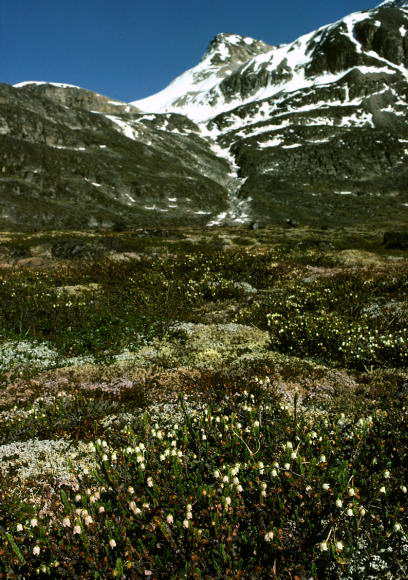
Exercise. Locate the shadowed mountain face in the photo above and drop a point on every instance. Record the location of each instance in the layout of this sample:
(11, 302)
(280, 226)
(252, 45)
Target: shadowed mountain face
(315, 131)
(71, 158)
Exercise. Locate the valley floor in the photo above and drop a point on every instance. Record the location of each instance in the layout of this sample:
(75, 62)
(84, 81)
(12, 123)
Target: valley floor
(226, 403)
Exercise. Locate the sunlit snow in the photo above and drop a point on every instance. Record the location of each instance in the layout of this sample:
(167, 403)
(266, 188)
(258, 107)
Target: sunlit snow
(270, 143)
(59, 85)
(197, 94)
(126, 129)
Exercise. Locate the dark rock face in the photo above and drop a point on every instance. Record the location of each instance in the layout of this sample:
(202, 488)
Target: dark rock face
(334, 53)
(66, 166)
(385, 39)
(396, 240)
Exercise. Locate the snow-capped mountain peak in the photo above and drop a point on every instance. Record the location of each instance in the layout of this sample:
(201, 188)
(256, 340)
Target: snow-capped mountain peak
(228, 48)
(315, 130)
(236, 70)
(396, 3)
(40, 83)
(225, 53)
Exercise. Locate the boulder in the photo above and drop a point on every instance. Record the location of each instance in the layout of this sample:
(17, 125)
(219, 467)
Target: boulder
(396, 240)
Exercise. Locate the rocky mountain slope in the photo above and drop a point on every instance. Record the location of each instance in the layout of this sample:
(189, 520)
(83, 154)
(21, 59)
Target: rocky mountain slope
(71, 158)
(313, 131)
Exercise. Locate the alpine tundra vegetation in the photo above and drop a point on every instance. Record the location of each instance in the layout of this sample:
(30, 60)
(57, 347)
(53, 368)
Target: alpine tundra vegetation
(201, 405)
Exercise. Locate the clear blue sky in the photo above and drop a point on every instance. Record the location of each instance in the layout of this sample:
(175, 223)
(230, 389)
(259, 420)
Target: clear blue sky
(129, 49)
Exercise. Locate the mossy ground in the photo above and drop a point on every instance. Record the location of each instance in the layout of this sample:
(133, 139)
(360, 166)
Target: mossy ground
(102, 332)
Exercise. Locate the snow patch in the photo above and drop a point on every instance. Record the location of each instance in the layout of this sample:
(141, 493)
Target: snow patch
(68, 148)
(270, 143)
(147, 118)
(355, 120)
(59, 85)
(350, 22)
(238, 210)
(92, 182)
(125, 128)
(223, 50)
(252, 132)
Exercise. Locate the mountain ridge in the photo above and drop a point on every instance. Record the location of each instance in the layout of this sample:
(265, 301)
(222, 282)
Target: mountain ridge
(313, 131)
(285, 63)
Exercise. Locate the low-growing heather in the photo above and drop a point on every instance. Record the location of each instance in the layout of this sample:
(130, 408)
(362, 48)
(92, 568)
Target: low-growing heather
(102, 307)
(102, 475)
(330, 338)
(346, 320)
(249, 488)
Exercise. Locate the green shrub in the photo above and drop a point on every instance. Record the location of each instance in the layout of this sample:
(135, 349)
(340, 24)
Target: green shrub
(244, 489)
(330, 338)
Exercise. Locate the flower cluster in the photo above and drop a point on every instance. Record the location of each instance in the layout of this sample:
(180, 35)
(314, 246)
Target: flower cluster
(257, 482)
